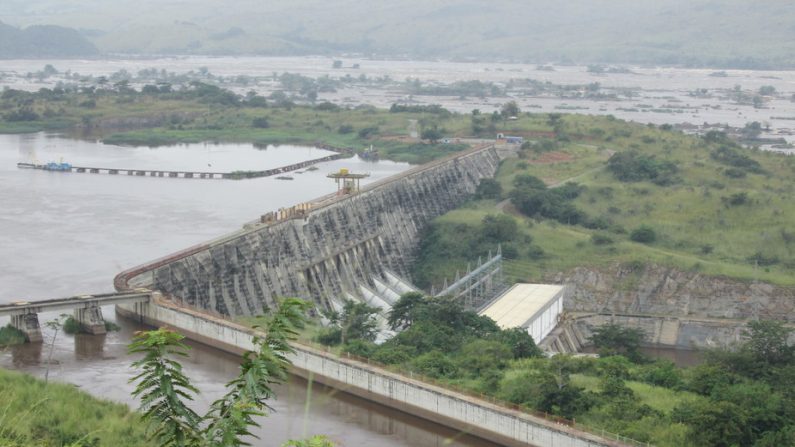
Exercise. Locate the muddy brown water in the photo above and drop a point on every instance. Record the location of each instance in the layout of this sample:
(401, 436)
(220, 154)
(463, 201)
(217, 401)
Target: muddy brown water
(67, 234)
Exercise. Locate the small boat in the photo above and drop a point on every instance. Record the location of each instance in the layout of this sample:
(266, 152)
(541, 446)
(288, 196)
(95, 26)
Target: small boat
(284, 177)
(51, 166)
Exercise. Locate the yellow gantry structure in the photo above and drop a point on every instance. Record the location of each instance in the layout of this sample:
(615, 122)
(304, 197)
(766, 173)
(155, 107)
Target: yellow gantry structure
(347, 182)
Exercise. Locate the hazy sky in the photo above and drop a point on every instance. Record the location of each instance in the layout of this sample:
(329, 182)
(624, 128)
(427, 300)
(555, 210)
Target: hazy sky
(707, 32)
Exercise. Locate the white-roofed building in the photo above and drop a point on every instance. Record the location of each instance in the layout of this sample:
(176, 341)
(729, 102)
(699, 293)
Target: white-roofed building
(534, 307)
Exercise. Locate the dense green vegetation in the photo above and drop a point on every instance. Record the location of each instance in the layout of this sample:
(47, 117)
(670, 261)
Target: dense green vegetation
(201, 112)
(744, 396)
(9, 335)
(606, 192)
(733, 33)
(33, 413)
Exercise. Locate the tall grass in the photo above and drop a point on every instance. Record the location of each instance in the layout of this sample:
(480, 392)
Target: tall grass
(35, 414)
(10, 335)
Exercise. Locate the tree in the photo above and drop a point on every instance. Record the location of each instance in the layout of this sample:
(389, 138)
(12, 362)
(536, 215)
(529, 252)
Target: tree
(510, 109)
(432, 134)
(613, 339)
(719, 424)
(548, 389)
(480, 355)
(164, 389)
(768, 342)
(520, 342)
(260, 122)
(55, 325)
(488, 189)
(643, 234)
(355, 322)
(402, 314)
(499, 228)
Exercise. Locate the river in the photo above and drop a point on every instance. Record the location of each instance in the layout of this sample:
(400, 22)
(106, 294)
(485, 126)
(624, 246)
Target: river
(64, 234)
(659, 95)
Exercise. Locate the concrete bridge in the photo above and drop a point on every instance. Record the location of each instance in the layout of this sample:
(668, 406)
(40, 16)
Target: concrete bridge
(87, 310)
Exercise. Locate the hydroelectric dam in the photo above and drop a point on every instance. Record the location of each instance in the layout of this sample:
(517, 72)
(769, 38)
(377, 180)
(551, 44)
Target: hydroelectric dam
(336, 247)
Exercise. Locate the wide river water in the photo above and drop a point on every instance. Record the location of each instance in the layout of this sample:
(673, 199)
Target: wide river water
(659, 95)
(64, 234)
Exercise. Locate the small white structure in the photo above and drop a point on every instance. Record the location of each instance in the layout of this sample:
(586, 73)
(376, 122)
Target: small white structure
(534, 307)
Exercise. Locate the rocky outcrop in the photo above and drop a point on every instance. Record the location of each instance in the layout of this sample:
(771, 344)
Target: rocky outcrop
(665, 291)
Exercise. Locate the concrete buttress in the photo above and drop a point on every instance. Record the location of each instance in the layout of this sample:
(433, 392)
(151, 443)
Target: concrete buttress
(327, 253)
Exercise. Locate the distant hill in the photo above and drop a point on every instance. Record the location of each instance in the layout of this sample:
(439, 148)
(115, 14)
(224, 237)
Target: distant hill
(714, 33)
(43, 41)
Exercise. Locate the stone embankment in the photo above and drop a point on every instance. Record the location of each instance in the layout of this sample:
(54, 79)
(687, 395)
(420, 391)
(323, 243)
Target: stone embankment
(673, 307)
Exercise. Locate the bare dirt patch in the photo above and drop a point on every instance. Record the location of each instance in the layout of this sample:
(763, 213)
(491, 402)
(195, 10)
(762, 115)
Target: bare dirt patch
(551, 157)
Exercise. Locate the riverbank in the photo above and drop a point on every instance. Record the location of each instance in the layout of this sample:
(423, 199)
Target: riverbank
(36, 414)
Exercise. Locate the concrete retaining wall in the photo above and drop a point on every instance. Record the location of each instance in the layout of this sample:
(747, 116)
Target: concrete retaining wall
(459, 411)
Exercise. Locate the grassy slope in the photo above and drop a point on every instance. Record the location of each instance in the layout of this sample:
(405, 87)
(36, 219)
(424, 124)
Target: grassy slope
(35, 414)
(687, 216)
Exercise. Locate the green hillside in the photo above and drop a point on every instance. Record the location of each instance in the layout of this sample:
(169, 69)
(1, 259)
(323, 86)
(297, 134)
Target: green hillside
(732, 33)
(43, 41)
(714, 207)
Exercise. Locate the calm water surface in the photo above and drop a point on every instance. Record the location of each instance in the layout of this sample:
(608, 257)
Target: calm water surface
(63, 234)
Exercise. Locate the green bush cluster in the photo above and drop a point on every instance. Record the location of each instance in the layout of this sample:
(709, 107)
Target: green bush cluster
(633, 166)
(532, 197)
(440, 339)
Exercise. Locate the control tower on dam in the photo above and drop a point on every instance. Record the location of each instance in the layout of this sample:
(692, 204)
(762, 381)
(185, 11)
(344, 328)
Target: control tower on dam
(337, 248)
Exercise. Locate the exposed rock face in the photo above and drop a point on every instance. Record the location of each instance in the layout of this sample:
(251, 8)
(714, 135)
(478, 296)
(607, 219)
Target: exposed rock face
(335, 250)
(665, 291)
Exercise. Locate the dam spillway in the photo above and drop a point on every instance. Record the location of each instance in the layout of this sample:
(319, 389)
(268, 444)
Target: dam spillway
(336, 249)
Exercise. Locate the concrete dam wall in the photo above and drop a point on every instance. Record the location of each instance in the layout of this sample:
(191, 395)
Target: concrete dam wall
(335, 250)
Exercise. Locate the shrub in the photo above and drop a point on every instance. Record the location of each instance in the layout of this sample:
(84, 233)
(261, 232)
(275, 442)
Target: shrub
(662, 373)
(71, 326)
(260, 123)
(736, 199)
(9, 335)
(488, 189)
(360, 348)
(643, 234)
(732, 157)
(601, 239)
(367, 132)
(345, 129)
(762, 259)
(393, 354)
(327, 106)
(435, 364)
(499, 228)
(634, 167)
